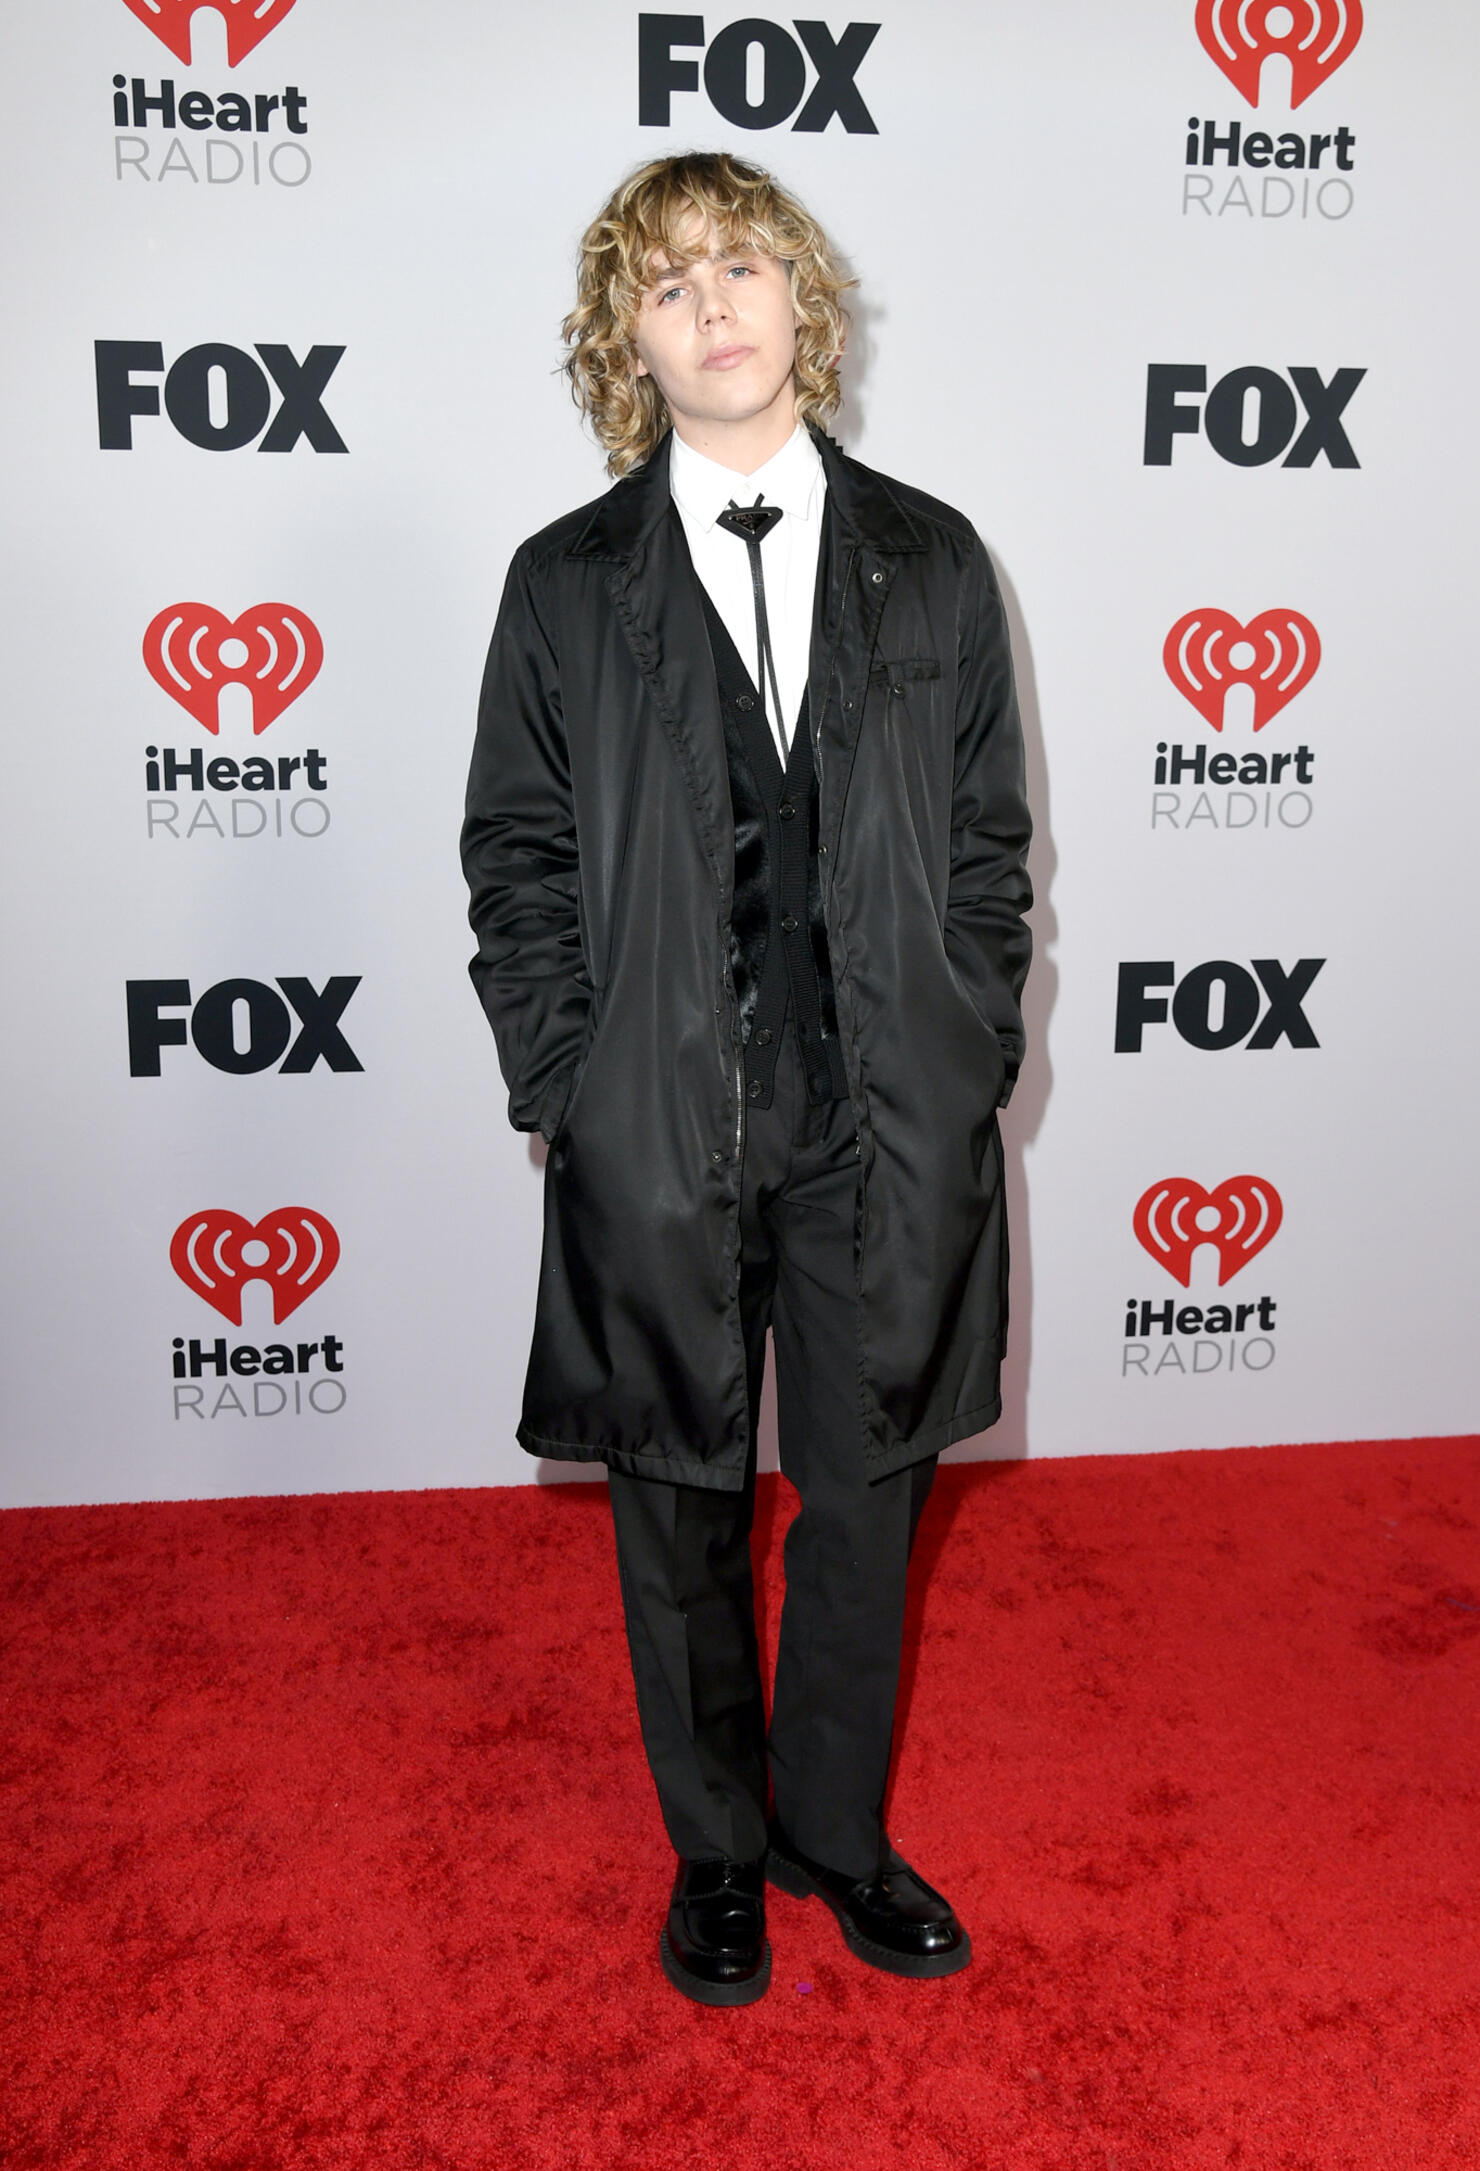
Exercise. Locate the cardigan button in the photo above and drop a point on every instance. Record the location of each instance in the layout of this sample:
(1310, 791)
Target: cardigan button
(755, 1089)
(743, 701)
(786, 810)
(764, 1037)
(789, 924)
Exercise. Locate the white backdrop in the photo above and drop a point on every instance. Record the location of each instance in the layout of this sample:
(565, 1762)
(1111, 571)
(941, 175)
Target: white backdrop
(1030, 240)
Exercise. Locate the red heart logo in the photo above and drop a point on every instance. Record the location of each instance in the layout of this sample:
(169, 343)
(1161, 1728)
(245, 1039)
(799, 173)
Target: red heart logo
(1238, 1218)
(193, 650)
(248, 22)
(294, 1250)
(1318, 35)
(1208, 651)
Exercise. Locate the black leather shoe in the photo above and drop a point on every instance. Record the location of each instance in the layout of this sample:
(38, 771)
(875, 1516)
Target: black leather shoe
(713, 1946)
(893, 1920)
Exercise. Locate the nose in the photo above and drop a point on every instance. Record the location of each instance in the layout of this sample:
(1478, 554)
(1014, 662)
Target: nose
(714, 303)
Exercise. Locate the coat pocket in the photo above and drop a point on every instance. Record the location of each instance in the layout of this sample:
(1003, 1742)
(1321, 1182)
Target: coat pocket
(905, 670)
(560, 1099)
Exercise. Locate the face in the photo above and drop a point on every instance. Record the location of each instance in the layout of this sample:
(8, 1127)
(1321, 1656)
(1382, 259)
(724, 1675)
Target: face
(718, 336)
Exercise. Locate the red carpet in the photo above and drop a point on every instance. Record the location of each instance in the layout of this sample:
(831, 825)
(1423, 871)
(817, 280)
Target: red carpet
(328, 1842)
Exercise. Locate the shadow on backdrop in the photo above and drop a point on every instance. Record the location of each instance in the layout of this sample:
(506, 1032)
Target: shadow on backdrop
(1023, 1117)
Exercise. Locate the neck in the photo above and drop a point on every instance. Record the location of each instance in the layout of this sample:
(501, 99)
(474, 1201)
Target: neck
(743, 446)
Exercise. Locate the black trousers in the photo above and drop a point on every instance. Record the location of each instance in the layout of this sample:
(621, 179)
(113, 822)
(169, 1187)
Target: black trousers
(684, 1552)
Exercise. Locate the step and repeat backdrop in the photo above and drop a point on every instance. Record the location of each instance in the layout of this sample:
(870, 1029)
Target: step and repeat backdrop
(1169, 296)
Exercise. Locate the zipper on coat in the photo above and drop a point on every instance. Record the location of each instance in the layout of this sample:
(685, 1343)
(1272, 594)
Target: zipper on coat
(816, 726)
(826, 877)
(731, 1008)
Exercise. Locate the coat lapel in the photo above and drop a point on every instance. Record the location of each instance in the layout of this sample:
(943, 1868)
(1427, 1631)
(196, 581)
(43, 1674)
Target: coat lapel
(655, 594)
(865, 532)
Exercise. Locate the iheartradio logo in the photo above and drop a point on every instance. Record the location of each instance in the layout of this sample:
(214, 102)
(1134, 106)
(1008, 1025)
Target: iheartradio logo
(248, 22)
(1315, 35)
(192, 650)
(1207, 651)
(216, 1253)
(1238, 1218)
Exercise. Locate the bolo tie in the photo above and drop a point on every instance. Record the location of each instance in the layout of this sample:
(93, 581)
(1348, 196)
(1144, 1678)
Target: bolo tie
(753, 523)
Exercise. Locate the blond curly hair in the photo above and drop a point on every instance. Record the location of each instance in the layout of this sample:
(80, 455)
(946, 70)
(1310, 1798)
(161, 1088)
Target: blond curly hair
(653, 209)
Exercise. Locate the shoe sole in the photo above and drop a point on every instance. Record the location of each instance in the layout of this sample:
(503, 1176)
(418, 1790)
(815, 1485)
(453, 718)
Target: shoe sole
(704, 1992)
(790, 1877)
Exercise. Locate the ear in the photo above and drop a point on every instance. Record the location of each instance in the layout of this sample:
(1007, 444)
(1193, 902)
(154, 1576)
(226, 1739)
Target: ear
(639, 366)
(793, 281)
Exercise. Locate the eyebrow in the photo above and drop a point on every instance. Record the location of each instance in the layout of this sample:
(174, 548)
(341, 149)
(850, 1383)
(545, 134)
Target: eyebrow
(660, 274)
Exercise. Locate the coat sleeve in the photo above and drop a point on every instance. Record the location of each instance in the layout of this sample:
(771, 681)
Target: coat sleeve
(987, 939)
(519, 856)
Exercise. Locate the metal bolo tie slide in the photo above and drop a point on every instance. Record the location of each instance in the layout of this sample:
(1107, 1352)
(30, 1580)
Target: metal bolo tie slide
(753, 523)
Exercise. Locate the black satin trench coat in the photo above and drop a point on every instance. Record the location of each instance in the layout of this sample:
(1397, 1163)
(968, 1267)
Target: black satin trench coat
(599, 849)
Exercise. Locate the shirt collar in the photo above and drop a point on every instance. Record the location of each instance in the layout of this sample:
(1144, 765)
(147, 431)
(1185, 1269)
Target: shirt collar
(792, 478)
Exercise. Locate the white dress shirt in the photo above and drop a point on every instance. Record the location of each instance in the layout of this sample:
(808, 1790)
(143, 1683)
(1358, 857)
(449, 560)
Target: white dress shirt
(793, 479)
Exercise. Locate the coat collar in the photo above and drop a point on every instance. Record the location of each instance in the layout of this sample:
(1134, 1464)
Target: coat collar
(626, 517)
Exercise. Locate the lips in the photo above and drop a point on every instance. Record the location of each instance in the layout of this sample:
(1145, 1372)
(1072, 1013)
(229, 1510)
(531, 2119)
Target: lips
(728, 357)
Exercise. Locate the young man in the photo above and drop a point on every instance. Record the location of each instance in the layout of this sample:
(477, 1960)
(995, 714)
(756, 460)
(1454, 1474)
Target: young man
(745, 839)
